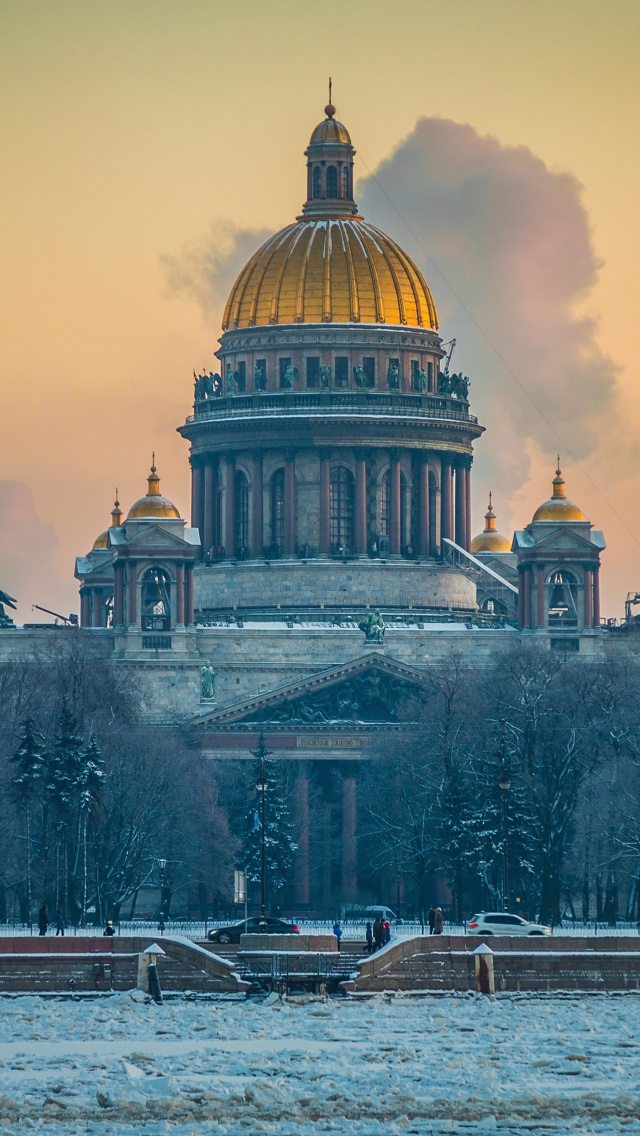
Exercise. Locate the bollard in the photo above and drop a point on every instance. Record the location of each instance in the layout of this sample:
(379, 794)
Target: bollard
(485, 981)
(148, 971)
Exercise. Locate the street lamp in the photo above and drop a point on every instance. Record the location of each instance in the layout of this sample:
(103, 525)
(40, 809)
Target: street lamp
(505, 785)
(261, 786)
(162, 865)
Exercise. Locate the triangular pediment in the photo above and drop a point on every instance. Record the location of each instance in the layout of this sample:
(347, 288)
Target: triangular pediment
(563, 539)
(155, 536)
(369, 690)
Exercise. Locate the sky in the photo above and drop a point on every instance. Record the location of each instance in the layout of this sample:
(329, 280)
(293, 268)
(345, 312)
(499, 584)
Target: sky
(145, 146)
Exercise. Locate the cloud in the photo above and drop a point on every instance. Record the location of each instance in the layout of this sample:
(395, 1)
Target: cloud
(27, 551)
(206, 270)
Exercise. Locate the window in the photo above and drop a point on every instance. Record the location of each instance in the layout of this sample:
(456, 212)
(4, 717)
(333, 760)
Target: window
(284, 366)
(332, 181)
(369, 368)
(156, 600)
(242, 511)
(277, 509)
(342, 371)
(317, 182)
(313, 371)
(241, 377)
(345, 182)
(563, 591)
(430, 376)
(342, 500)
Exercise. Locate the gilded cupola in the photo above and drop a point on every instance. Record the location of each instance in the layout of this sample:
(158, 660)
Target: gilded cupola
(558, 507)
(490, 540)
(152, 506)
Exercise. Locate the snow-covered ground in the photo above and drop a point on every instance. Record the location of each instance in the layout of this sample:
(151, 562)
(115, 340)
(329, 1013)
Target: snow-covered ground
(434, 1064)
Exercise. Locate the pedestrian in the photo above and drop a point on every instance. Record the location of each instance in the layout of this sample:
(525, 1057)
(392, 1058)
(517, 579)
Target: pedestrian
(386, 932)
(59, 923)
(432, 919)
(377, 933)
(43, 922)
(109, 929)
(438, 922)
(337, 930)
(368, 934)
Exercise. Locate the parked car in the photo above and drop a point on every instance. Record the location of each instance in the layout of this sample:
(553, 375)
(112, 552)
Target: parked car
(232, 934)
(499, 923)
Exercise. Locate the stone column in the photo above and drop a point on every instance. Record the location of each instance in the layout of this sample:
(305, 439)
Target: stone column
(208, 507)
(349, 841)
(132, 593)
(433, 517)
(85, 609)
(460, 521)
(424, 543)
(97, 609)
(197, 497)
(325, 504)
(520, 598)
(230, 506)
(257, 536)
(180, 595)
(394, 503)
(446, 501)
(539, 597)
(118, 594)
(188, 595)
(290, 502)
(302, 882)
(587, 599)
(596, 596)
(467, 504)
(327, 844)
(527, 597)
(361, 503)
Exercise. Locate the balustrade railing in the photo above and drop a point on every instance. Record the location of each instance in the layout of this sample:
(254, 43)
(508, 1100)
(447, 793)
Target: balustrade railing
(332, 403)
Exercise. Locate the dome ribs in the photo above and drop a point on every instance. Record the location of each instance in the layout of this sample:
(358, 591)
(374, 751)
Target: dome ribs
(354, 299)
(326, 277)
(368, 247)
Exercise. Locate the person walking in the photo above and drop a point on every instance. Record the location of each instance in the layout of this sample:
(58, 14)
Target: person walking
(368, 934)
(386, 932)
(432, 919)
(377, 933)
(59, 923)
(337, 930)
(43, 922)
(109, 929)
(438, 922)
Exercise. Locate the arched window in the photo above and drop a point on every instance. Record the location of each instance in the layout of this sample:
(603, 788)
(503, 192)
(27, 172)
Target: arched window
(317, 182)
(277, 509)
(385, 499)
(563, 595)
(242, 511)
(342, 500)
(156, 600)
(345, 182)
(332, 181)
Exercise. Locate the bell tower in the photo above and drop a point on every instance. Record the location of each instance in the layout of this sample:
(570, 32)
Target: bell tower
(330, 169)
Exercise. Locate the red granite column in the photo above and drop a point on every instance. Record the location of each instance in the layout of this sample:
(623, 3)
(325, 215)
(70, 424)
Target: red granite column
(197, 497)
(596, 596)
(85, 610)
(188, 595)
(540, 598)
(446, 502)
(302, 884)
(230, 506)
(520, 598)
(180, 595)
(467, 504)
(290, 502)
(132, 593)
(394, 503)
(460, 523)
(361, 503)
(118, 595)
(97, 609)
(208, 508)
(588, 598)
(423, 506)
(257, 539)
(325, 504)
(527, 597)
(349, 841)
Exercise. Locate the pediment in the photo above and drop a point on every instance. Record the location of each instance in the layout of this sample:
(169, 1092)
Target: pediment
(370, 690)
(155, 536)
(563, 539)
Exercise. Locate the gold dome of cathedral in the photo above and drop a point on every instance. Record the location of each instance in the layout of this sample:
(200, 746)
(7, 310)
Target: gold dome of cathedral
(558, 507)
(490, 540)
(152, 506)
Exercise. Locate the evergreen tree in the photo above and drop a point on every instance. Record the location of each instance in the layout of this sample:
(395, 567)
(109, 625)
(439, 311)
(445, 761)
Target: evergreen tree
(65, 764)
(278, 830)
(29, 766)
(455, 830)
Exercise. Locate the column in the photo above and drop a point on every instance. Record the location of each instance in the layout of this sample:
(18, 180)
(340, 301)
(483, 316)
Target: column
(118, 594)
(197, 497)
(446, 502)
(424, 544)
(433, 517)
(361, 503)
(180, 595)
(460, 522)
(132, 593)
(302, 882)
(596, 596)
(539, 597)
(327, 844)
(290, 502)
(325, 503)
(230, 506)
(97, 609)
(394, 503)
(587, 599)
(520, 598)
(349, 841)
(467, 503)
(188, 595)
(527, 597)
(85, 609)
(208, 507)
(257, 535)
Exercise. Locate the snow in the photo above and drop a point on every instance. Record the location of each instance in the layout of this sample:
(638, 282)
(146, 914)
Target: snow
(467, 1064)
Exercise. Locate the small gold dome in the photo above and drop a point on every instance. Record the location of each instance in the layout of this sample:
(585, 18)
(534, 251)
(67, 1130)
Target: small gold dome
(558, 507)
(489, 540)
(101, 541)
(334, 270)
(152, 505)
(330, 130)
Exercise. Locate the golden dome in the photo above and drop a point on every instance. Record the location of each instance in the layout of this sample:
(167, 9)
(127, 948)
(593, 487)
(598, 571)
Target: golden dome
(101, 541)
(152, 506)
(330, 130)
(558, 507)
(333, 270)
(489, 540)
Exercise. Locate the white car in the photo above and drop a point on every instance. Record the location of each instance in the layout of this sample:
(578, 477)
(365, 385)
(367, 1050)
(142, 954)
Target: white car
(499, 923)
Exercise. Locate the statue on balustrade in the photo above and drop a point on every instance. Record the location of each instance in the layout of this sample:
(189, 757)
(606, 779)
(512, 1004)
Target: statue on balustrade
(457, 385)
(420, 381)
(259, 377)
(288, 377)
(207, 683)
(359, 376)
(325, 376)
(393, 377)
(231, 378)
(373, 626)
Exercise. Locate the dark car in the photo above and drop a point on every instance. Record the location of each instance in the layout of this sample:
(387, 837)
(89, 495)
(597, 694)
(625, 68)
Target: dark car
(232, 934)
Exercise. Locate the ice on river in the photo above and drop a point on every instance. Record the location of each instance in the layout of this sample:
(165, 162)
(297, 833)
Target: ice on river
(435, 1064)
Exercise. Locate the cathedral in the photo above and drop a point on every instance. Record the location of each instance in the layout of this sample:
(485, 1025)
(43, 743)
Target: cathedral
(329, 561)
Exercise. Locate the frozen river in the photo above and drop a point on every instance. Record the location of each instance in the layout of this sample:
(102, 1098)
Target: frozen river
(433, 1064)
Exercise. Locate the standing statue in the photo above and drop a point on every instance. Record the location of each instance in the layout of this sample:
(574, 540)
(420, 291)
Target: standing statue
(444, 383)
(358, 374)
(461, 388)
(207, 683)
(230, 380)
(288, 377)
(259, 377)
(420, 381)
(373, 626)
(325, 376)
(393, 377)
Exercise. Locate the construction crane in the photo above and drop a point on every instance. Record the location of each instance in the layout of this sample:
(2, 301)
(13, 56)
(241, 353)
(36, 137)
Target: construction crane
(70, 619)
(633, 598)
(451, 344)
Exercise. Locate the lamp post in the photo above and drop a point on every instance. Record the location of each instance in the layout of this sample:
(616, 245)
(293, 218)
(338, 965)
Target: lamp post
(162, 865)
(262, 787)
(505, 785)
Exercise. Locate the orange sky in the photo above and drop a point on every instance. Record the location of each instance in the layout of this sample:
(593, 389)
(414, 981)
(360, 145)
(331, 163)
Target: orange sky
(127, 130)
